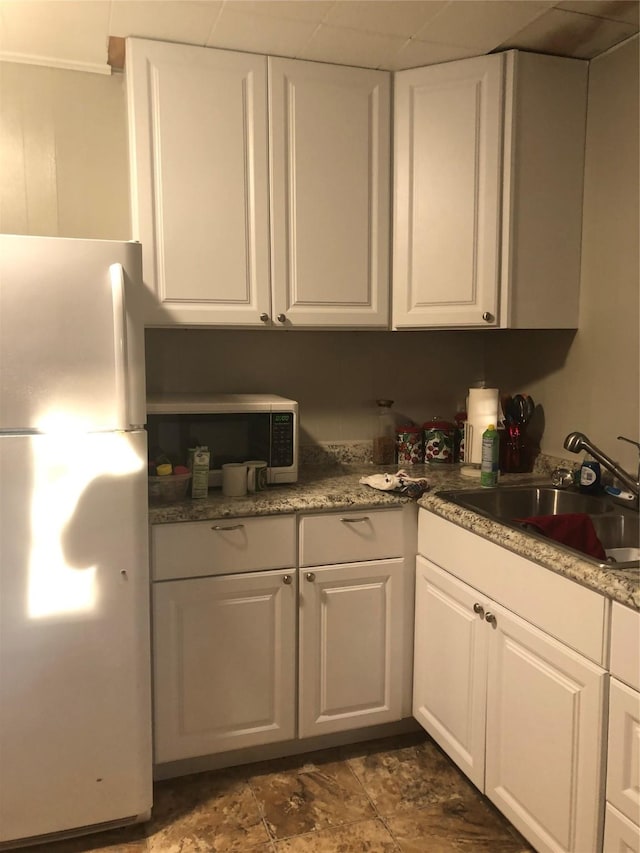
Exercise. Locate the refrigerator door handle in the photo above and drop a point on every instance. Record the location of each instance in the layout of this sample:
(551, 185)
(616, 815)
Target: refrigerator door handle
(116, 273)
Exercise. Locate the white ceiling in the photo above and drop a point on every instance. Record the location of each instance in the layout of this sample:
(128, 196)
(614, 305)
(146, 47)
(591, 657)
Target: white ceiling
(387, 34)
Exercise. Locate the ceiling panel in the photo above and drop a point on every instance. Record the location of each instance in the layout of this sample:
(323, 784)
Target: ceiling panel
(565, 33)
(483, 24)
(188, 21)
(390, 17)
(369, 50)
(388, 34)
(238, 29)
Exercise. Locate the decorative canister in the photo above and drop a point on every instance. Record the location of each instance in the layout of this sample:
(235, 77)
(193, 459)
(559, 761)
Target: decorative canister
(409, 445)
(439, 440)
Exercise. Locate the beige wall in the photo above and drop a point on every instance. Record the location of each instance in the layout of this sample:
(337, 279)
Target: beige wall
(63, 171)
(63, 153)
(592, 385)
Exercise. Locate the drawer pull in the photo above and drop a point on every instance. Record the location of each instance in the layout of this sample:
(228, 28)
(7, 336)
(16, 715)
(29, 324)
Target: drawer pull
(479, 609)
(355, 520)
(286, 579)
(230, 527)
(491, 619)
(310, 577)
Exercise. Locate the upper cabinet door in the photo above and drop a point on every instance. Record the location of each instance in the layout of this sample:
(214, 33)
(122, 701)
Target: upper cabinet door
(330, 165)
(448, 166)
(198, 142)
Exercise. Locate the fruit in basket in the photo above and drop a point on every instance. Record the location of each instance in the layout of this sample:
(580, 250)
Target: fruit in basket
(164, 470)
(181, 469)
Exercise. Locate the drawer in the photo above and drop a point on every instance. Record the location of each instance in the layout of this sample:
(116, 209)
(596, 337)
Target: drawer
(222, 547)
(350, 537)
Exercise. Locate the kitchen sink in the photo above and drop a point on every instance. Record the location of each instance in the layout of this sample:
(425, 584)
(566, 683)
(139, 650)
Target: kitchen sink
(617, 528)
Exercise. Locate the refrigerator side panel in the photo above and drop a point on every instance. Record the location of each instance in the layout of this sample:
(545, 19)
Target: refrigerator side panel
(75, 707)
(71, 354)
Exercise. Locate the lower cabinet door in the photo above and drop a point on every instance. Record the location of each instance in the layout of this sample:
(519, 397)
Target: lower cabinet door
(623, 766)
(620, 834)
(351, 645)
(450, 666)
(224, 663)
(545, 719)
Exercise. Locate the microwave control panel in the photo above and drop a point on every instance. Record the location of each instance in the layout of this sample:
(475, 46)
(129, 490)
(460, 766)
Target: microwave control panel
(282, 439)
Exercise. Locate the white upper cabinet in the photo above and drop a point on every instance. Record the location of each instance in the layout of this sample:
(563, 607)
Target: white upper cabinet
(489, 161)
(200, 125)
(330, 174)
(448, 130)
(198, 143)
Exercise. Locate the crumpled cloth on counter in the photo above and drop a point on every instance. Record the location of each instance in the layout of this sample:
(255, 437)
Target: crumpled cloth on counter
(574, 529)
(413, 487)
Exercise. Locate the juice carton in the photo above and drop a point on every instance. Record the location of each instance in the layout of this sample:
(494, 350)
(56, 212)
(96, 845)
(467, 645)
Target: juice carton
(199, 464)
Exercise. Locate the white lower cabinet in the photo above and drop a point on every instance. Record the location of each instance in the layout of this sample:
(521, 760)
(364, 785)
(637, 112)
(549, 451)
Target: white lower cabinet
(521, 713)
(249, 650)
(622, 818)
(620, 834)
(351, 646)
(224, 655)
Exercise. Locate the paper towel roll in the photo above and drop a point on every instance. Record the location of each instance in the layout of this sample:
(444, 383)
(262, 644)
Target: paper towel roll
(482, 410)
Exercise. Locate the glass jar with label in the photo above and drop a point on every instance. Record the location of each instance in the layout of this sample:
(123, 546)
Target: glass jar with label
(384, 439)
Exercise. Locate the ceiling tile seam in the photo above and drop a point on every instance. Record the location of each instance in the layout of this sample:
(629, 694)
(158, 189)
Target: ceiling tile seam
(597, 17)
(214, 24)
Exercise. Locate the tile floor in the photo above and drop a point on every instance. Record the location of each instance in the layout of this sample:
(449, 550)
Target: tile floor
(397, 794)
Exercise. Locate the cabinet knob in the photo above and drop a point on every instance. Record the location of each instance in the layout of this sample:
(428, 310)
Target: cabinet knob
(286, 579)
(491, 619)
(282, 318)
(488, 317)
(264, 318)
(479, 609)
(310, 577)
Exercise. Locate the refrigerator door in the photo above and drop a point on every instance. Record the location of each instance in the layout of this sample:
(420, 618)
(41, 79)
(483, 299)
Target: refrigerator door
(75, 707)
(71, 334)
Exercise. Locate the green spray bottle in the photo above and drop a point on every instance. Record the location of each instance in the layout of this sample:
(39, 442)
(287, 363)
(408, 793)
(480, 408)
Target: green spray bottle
(490, 454)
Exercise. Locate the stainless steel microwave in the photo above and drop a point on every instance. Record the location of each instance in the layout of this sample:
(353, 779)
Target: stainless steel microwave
(235, 428)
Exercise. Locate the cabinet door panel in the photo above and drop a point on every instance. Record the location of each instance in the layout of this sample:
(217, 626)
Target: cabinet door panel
(623, 766)
(224, 663)
(450, 667)
(448, 132)
(330, 164)
(544, 736)
(351, 646)
(198, 128)
(620, 834)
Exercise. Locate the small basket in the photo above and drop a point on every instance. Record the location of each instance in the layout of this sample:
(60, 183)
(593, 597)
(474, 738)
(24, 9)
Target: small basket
(172, 487)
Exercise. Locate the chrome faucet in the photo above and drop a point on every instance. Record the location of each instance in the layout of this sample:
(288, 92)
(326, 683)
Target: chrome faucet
(577, 441)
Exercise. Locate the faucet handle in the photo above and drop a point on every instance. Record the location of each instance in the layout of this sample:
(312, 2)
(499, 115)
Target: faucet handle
(562, 478)
(630, 440)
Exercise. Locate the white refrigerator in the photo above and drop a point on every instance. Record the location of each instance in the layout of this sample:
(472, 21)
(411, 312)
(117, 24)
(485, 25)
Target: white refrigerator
(75, 706)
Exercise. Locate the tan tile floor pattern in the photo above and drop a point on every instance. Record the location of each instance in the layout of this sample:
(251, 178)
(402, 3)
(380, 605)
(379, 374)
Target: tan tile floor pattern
(397, 795)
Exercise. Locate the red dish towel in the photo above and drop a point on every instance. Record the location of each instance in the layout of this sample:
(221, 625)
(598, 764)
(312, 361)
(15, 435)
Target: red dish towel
(574, 529)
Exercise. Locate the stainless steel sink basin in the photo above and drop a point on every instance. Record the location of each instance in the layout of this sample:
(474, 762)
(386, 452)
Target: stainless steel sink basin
(526, 501)
(616, 527)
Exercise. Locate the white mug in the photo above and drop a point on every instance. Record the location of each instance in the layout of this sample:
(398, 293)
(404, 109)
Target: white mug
(256, 475)
(234, 479)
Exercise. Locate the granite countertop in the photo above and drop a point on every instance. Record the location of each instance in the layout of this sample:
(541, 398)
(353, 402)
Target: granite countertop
(335, 487)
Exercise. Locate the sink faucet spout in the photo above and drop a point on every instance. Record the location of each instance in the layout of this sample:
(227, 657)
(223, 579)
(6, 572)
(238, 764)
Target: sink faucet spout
(577, 441)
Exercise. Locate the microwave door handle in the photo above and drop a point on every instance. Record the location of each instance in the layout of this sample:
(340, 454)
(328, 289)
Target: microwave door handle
(116, 274)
